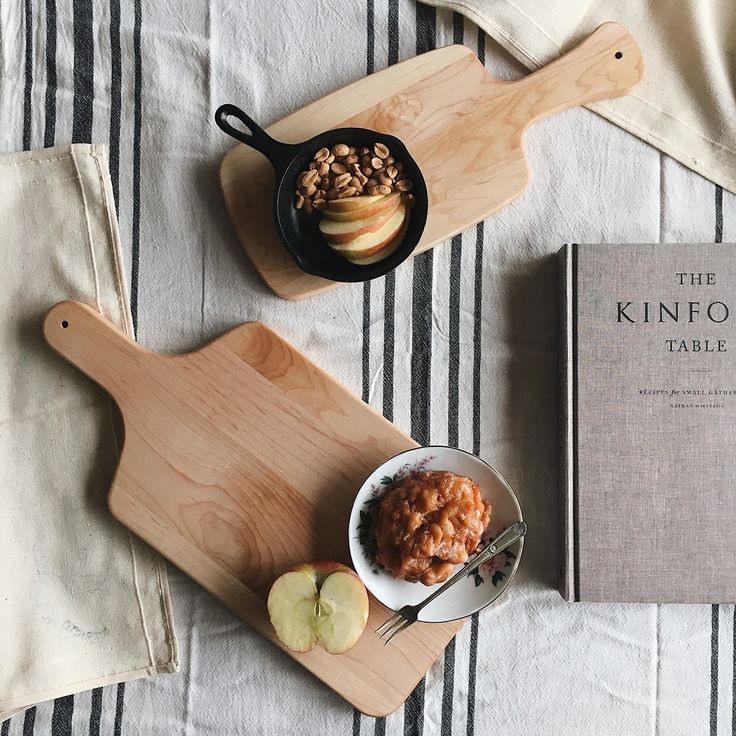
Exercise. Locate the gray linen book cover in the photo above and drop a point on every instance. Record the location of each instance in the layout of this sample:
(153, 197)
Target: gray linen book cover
(649, 423)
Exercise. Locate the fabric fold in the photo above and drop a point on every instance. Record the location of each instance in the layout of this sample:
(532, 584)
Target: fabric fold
(84, 603)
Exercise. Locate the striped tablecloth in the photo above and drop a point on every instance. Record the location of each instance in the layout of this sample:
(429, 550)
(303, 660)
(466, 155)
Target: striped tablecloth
(458, 347)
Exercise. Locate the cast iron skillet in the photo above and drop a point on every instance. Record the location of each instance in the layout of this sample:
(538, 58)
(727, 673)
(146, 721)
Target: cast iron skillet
(299, 231)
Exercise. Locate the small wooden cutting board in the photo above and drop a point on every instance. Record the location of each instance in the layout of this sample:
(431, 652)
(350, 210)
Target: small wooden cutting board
(463, 127)
(240, 460)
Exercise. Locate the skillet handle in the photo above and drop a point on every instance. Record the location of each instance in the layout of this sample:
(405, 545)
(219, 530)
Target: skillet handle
(279, 154)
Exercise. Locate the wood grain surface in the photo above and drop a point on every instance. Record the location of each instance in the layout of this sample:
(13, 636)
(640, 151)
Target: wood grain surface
(463, 127)
(241, 459)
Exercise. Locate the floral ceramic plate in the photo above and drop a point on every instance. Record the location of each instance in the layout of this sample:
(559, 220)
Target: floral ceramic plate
(479, 588)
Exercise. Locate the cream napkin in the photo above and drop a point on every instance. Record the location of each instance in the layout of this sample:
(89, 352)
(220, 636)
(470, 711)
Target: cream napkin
(82, 602)
(686, 105)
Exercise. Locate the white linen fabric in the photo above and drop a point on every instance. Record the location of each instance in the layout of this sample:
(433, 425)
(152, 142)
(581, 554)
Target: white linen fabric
(686, 104)
(83, 603)
(457, 346)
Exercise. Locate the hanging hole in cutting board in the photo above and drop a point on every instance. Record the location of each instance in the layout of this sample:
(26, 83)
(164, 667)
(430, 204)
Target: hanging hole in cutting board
(64, 324)
(619, 55)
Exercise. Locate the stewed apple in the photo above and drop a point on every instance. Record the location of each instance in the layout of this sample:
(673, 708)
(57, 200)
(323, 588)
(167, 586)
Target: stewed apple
(321, 603)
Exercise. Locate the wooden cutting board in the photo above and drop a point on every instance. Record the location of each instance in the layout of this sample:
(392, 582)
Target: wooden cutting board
(463, 127)
(240, 460)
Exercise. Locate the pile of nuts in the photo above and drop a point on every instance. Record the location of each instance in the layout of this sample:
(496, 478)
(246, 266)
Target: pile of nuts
(348, 171)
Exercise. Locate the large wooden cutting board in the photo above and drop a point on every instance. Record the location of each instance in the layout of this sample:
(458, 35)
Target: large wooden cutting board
(240, 460)
(463, 127)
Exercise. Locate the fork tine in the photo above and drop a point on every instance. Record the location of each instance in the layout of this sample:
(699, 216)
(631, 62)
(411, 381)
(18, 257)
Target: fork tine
(398, 630)
(389, 632)
(388, 623)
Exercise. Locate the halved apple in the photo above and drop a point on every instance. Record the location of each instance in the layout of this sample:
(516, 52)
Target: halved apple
(338, 232)
(387, 250)
(318, 603)
(370, 243)
(363, 206)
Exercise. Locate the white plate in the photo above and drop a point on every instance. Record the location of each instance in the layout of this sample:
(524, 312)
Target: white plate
(467, 596)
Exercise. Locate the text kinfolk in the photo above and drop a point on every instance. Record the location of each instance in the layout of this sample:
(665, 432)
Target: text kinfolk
(713, 312)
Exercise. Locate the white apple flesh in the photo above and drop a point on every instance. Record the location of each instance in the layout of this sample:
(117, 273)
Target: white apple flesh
(319, 603)
(348, 204)
(337, 231)
(364, 206)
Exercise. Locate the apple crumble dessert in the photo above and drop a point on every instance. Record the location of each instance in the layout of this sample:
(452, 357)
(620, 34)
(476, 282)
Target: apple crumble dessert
(429, 523)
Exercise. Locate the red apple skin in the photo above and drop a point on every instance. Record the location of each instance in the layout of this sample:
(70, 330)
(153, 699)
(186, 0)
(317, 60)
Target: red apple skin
(367, 225)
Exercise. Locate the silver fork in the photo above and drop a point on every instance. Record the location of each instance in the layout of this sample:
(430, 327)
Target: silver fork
(407, 615)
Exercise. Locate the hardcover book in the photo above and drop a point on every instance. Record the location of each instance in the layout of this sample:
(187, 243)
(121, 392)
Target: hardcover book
(649, 423)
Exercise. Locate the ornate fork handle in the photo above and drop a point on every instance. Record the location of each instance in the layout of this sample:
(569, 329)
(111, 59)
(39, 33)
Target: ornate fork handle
(504, 540)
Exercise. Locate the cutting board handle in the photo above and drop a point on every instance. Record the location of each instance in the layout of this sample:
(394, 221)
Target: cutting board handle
(607, 64)
(93, 344)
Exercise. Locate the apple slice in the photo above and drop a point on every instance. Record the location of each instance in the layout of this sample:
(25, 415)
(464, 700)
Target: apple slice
(370, 243)
(386, 251)
(318, 603)
(371, 205)
(335, 231)
(354, 203)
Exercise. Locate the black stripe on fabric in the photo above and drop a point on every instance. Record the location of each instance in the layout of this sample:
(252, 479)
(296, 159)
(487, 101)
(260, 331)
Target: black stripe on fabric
(426, 28)
(119, 708)
(477, 322)
(458, 28)
(421, 348)
(453, 369)
(84, 71)
(137, 116)
(95, 712)
(366, 352)
(370, 27)
(49, 132)
(719, 215)
(115, 99)
(714, 623)
(61, 718)
(448, 687)
(28, 85)
(482, 46)
(470, 730)
(414, 710)
(389, 343)
(356, 722)
(393, 32)
(5, 728)
(29, 721)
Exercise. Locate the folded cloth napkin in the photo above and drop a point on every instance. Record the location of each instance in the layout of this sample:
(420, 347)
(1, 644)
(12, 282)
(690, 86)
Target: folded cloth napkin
(686, 105)
(83, 603)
